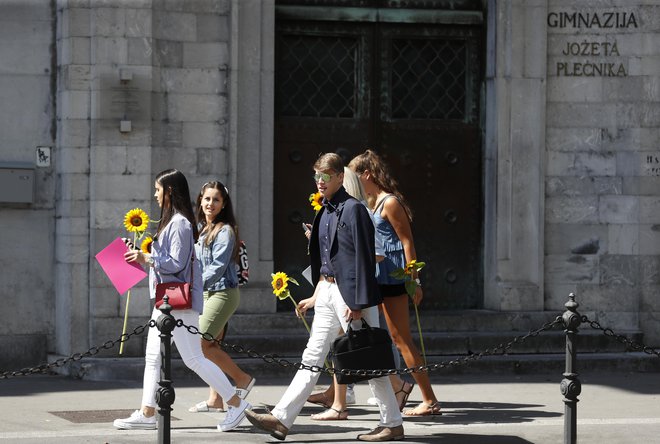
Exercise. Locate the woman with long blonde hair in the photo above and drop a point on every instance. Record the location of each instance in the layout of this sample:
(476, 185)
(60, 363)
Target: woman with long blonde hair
(393, 217)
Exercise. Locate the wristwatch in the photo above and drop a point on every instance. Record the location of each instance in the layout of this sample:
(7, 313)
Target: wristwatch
(150, 261)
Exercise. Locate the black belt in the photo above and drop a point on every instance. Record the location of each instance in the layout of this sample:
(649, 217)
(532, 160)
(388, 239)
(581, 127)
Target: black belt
(328, 278)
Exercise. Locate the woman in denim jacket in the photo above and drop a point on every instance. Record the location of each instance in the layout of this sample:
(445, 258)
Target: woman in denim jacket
(217, 248)
(172, 260)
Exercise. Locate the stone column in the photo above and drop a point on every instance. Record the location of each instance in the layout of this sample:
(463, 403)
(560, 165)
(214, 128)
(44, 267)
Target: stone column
(514, 147)
(251, 141)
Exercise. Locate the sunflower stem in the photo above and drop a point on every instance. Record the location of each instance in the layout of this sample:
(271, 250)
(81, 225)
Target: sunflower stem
(419, 330)
(300, 315)
(128, 302)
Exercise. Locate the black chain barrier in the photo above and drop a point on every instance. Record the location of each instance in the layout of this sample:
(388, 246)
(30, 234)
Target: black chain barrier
(632, 345)
(501, 348)
(44, 368)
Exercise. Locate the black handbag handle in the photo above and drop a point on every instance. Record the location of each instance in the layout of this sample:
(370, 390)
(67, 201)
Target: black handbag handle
(350, 325)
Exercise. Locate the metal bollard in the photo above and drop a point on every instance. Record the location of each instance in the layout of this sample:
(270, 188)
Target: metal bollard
(165, 393)
(570, 386)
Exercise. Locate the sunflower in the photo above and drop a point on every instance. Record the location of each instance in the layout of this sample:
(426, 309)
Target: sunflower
(315, 201)
(280, 285)
(146, 244)
(136, 220)
(410, 267)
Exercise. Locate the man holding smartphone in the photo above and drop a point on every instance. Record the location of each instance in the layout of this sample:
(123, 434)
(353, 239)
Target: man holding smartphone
(342, 253)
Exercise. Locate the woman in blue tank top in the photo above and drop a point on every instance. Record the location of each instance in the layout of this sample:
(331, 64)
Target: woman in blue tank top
(392, 218)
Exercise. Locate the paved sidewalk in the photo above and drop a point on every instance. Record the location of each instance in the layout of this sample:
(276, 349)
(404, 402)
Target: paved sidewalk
(499, 409)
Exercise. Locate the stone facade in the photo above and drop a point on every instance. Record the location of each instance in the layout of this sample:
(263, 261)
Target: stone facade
(571, 170)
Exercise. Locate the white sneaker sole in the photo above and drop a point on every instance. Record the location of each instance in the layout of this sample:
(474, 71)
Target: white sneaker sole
(132, 426)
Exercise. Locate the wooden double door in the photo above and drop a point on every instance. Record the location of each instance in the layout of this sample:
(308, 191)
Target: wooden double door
(409, 91)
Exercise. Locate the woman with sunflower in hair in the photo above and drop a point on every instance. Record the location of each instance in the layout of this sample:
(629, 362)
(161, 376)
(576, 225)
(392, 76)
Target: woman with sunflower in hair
(393, 217)
(172, 259)
(217, 249)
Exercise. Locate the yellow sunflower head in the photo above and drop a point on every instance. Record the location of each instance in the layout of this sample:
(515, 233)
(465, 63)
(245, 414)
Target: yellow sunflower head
(315, 201)
(136, 220)
(280, 285)
(145, 246)
(410, 267)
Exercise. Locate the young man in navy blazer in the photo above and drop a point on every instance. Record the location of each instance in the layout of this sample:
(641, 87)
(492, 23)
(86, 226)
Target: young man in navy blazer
(342, 253)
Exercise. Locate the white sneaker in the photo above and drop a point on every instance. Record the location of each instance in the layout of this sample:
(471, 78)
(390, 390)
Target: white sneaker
(234, 416)
(137, 421)
(350, 395)
(372, 401)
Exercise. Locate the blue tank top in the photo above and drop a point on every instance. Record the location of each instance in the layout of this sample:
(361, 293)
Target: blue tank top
(392, 247)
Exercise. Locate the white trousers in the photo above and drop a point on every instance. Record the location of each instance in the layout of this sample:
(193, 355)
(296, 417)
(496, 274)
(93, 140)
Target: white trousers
(190, 348)
(328, 318)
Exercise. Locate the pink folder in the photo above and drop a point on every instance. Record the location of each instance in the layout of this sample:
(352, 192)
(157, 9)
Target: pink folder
(122, 274)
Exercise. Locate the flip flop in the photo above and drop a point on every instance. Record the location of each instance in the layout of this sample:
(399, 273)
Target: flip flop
(202, 407)
(431, 410)
(330, 415)
(243, 392)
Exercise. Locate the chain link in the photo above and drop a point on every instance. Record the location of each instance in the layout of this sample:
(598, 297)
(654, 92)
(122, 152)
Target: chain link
(632, 345)
(44, 368)
(374, 373)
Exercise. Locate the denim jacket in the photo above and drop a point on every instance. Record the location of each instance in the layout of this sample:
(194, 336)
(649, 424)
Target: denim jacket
(172, 252)
(218, 267)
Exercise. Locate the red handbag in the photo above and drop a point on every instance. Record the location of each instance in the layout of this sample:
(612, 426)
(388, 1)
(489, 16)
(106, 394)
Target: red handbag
(178, 293)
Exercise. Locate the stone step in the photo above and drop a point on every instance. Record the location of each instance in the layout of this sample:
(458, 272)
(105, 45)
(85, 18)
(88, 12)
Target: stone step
(451, 343)
(587, 363)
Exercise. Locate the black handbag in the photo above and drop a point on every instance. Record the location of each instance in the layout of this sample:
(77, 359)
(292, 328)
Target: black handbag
(369, 348)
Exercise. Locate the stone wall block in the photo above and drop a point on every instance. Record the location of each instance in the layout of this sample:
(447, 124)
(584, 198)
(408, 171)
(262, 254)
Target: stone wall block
(71, 208)
(556, 295)
(201, 6)
(123, 4)
(196, 107)
(205, 55)
(573, 139)
(104, 302)
(109, 22)
(120, 187)
(649, 209)
(106, 132)
(138, 23)
(581, 164)
(76, 77)
(212, 28)
(174, 26)
(181, 159)
(194, 81)
(76, 22)
(111, 50)
(168, 135)
(620, 270)
(624, 89)
(73, 186)
(73, 160)
(649, 322)
(169, 54)
(75, 51)
(140, 51)
(572, 268)
(212, 161)
(582, 186)
(641, 186)
(639, 114)
(204, 135)
(72, 249)
(649, 239)
(614, 297)
(109, 214)
(576, 239)
(638, 44)
(74, 104)
(583, 209)
(20, 38)
(623, 239)
(571, 115)
(73, 132)
(73, 226)
(619, 321)
(618, 209)
(573, 89)
(620, 139)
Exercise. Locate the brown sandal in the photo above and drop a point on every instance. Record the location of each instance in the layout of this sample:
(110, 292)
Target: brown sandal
(430, 410)
(406, 394)
(330, 415)
(320, 399)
